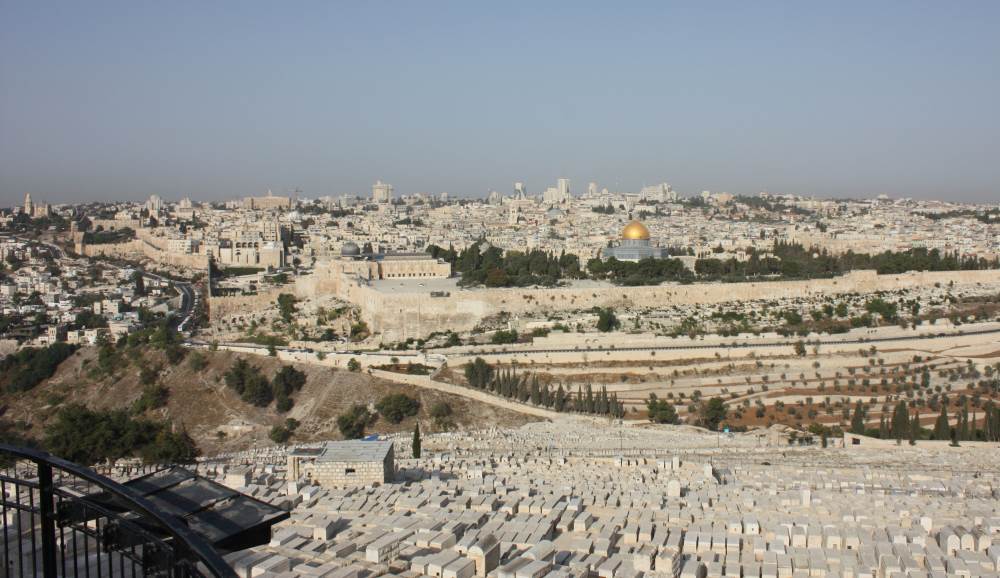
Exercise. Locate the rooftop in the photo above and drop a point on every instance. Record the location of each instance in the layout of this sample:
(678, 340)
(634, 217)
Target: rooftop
(348, 451)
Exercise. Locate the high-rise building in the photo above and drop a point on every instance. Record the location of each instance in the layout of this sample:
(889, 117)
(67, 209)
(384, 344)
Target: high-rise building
(154, 204)
(592, 189)
(563, 186)
(381, 192)
(519, 191)
(28, 206)
(557, 194)
(662, 193)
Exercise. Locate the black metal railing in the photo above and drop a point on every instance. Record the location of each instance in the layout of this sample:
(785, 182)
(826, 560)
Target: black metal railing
(61, 519)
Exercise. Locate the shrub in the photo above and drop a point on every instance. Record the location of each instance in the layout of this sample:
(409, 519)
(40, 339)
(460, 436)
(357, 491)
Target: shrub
(353, 422)
(89, 436)
(504, 336)
(397, 406)
(661, 411)
(197, 361)
(441, 410)
(153, 396)
(30, 366)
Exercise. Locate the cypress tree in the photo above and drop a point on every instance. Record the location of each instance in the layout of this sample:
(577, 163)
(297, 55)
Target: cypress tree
(560, 402)
(941, 427)
(858, 419)
(992, 422)
(988, 421)
(416, 441)
(900, 421)
(963, 434)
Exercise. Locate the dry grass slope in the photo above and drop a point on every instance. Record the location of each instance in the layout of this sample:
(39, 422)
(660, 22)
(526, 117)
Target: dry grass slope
(200, 401)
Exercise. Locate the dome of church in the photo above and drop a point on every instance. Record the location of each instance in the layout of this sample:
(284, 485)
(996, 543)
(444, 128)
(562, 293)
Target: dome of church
(635, 231)
(350, 249)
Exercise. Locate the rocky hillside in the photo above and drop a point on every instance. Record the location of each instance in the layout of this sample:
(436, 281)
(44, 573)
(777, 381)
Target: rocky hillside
(199, 400)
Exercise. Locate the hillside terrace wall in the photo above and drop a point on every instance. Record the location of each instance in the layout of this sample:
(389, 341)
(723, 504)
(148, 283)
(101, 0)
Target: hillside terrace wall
(524, 355)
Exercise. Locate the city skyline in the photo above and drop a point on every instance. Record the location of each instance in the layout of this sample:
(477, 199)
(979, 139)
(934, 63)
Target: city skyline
(120, 101)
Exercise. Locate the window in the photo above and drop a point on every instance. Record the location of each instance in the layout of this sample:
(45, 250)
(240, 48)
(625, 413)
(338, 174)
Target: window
(348, 471)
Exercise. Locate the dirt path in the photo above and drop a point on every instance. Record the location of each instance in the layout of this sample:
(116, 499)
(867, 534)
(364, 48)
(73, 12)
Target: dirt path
(481, 396)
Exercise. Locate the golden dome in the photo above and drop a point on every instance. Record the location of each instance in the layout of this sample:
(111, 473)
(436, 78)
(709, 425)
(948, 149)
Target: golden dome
(636, 231)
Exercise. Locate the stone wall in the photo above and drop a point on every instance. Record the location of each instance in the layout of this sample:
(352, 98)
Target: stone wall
(148, 247)
(331, 474)
(399, 316)
(220, 307)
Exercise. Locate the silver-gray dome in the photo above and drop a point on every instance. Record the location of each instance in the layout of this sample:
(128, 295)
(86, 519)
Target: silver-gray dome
(350, 249)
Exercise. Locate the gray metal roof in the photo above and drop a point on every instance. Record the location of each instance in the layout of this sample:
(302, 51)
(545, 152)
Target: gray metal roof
(349, 451)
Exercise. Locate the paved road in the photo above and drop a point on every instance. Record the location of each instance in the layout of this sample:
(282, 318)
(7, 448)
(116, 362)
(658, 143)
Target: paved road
(189, 298)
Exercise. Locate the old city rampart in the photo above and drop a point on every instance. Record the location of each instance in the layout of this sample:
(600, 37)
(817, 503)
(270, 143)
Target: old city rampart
(398, 316)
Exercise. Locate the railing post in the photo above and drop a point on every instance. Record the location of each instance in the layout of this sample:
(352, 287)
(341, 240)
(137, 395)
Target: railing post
(46, 509)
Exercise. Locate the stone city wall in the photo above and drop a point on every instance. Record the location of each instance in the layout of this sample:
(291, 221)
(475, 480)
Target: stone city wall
(402, 315)
(398, 316)
(149, 247)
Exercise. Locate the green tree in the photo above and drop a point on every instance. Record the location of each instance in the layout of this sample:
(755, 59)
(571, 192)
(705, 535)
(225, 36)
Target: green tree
(440, 410)
(504, 336)
(713, 413)
(169, 447)
(139, 282)
(197, 361)
(942, 429)
(153, 396)
(396, 407)
(478, 373)
(288, 380)
(661, 411)
(87, 437)
(286, 306)
(416, 441)
(606, 320)
(963, 424)
(858, 419)
(353, 422)
(29, 366)
(257, 390)
(237, 374)
(900, 421)
(280, 434)
(353, 365)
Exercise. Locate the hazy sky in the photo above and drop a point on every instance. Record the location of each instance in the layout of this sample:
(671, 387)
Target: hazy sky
(112, 100)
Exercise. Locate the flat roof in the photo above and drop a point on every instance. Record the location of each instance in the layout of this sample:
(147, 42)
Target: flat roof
(348, 451)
